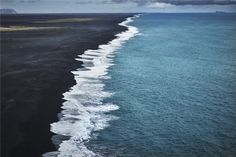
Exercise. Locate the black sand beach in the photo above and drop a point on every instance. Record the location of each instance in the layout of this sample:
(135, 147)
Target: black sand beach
(35, 72)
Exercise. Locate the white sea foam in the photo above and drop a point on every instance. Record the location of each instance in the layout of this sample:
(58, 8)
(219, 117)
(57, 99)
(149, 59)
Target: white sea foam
(83, 110)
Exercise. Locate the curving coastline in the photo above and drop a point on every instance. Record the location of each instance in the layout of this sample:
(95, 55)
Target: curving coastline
(83, 110)
(39, 62)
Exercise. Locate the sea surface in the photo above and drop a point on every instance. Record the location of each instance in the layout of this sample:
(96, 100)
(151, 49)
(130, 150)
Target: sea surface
(164, 88)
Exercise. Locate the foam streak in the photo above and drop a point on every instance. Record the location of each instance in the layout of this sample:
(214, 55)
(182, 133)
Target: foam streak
(83, 110)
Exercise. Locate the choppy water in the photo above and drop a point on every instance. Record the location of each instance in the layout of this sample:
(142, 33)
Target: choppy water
(176, 88)
(173, 86)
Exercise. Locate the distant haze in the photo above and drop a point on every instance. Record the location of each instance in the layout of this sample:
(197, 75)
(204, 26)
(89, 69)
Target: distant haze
(123, 6)
(7, 11)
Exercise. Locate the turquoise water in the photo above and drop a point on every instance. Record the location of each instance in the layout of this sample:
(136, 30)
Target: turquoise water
(176, 89)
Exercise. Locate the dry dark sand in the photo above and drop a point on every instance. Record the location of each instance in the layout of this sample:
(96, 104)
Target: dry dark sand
(35, 72)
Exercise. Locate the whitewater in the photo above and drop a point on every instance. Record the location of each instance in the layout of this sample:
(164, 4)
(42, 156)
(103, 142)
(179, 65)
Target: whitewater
(83, 112)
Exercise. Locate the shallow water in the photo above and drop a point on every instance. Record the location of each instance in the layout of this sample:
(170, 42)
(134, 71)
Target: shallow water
(175, 87)
(83, 111)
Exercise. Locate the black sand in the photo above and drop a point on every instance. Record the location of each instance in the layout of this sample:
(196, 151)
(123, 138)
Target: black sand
(35, 72)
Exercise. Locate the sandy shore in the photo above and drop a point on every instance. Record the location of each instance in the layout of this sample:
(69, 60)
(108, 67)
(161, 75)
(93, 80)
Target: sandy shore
(52, 21)
(23, 28)
(35, 72)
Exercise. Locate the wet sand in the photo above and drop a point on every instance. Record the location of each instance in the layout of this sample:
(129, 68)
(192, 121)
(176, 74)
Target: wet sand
(35, 72)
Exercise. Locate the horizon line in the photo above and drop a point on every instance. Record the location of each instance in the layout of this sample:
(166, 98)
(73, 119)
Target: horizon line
(220, 12)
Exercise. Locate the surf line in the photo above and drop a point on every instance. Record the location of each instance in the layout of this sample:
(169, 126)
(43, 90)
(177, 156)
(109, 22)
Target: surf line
(83, 111)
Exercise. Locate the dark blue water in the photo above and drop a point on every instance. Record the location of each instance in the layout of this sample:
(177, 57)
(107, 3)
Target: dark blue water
(176, 88)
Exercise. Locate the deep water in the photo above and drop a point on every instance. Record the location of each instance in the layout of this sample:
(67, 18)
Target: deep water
(175, 85)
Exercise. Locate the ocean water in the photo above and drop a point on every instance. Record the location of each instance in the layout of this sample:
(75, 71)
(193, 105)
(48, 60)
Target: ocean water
(165, 87)
(175, 85)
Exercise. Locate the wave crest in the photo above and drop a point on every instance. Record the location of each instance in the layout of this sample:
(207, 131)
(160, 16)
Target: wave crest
(83, 110)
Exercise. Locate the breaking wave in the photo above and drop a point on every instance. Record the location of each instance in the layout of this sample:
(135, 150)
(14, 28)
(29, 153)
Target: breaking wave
(83, 110)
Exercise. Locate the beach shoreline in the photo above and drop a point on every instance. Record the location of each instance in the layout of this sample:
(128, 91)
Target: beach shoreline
(36, 70)
(84, 111)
